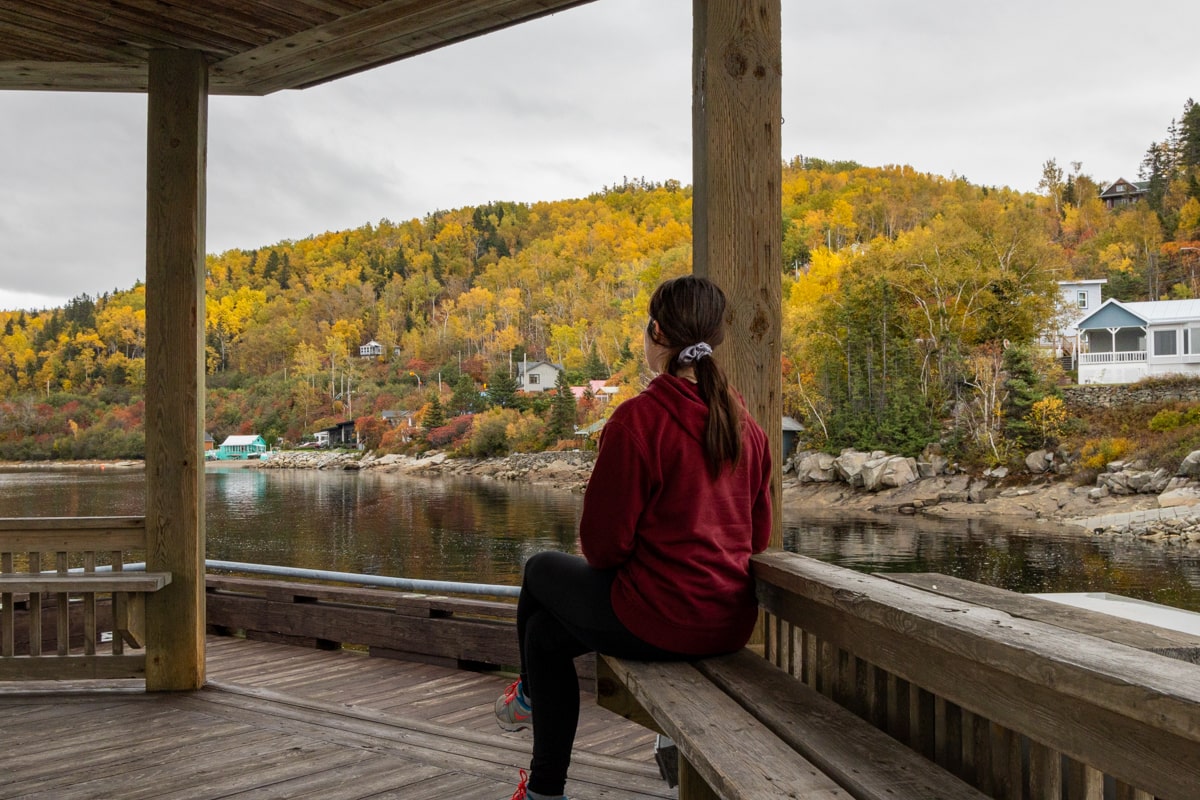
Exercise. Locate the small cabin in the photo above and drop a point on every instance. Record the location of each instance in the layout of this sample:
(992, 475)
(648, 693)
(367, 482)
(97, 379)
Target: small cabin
(240, 448)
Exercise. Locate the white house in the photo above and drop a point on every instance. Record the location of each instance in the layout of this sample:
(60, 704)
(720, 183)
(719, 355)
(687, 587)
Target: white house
(1076, 300)
(371, 349)
(1125, 342)
(537, 376)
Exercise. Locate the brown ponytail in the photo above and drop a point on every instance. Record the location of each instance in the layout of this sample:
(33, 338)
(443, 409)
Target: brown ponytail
(690, 310)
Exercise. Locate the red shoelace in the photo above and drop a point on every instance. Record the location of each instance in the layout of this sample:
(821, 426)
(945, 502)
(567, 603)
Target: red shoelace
(519, 794)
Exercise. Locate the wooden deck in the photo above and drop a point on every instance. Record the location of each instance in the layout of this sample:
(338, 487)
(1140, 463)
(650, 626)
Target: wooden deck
(277, 721)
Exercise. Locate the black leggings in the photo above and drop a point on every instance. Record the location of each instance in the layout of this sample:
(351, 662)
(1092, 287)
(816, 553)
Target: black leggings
(565, 610)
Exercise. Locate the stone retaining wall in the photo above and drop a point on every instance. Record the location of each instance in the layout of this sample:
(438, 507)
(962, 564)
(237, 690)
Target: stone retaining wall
(1116, 395)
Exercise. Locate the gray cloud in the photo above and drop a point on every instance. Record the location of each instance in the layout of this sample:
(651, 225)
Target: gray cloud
(564, 105)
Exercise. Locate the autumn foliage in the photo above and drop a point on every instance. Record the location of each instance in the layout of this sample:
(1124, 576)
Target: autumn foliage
(898, 288)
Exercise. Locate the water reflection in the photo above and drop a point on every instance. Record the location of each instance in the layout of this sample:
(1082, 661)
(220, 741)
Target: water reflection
(1038, 557)
(386, 524)
(482, 531)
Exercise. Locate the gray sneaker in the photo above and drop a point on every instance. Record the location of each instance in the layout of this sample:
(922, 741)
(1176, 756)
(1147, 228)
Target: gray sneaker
(512, 708)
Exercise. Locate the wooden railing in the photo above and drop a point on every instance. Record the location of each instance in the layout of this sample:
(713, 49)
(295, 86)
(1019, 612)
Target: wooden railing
(1020, 697)
(455, 632)
(1122, 357)
(63, 588)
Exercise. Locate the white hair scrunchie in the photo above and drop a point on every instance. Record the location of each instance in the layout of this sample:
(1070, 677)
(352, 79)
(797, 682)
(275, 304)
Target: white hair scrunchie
(693, 353)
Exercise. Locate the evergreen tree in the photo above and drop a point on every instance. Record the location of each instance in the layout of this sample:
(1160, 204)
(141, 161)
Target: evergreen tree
(1189, 137)
(1023, 387)
(502, 389)
(435, 417)
(562, 412)
(285, 271)
(594, 369)
(272, 265)
(398, 265)
(465, 399)
(80, 313)
(626, 354)
(1156, 168)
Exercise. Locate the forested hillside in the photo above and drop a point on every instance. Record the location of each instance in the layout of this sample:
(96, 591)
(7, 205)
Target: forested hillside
(911, 304)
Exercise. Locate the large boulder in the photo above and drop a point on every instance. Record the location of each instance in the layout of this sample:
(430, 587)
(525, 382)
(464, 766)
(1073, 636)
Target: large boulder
(1182, 496)
(1190, 466)
(1039, 461)
(1135, 481)
(849, 466)
(814, 467)
(888, 472)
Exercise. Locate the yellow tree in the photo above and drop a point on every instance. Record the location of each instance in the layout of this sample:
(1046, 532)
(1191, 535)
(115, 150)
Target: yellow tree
(227, 317)
(123, 327)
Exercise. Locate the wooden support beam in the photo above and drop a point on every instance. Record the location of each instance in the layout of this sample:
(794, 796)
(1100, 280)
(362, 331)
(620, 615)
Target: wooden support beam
(737, 217)
(175, 198)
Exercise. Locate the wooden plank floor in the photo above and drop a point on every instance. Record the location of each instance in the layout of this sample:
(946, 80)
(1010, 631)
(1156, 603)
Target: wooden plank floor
(278, 721)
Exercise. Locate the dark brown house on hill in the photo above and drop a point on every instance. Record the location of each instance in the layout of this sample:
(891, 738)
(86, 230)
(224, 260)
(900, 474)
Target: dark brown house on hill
(1124, 192)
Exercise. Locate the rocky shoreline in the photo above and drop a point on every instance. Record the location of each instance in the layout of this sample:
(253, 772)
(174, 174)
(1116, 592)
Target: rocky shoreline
(567, 469)
(1125, 500)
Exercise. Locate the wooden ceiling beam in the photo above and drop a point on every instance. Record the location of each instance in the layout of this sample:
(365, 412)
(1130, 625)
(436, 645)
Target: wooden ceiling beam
(385, 33)
(253, 48)
(74, 77)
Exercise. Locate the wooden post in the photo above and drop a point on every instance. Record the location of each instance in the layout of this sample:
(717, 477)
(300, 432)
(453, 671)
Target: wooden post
(175, 196)
(737, 206)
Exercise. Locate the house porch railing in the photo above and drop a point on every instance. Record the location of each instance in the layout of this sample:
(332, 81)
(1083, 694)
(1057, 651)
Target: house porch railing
(1125, 357)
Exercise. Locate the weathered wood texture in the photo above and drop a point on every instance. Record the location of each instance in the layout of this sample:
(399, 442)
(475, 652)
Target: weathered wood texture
(254, 48)
(975, 687)
(52, 621)
(1164, 641)
(736, 225)
(728, 712)
(175, 214)
(860, 758)
(438, 630)
(279, 721)
(447, 631)
(733, 756)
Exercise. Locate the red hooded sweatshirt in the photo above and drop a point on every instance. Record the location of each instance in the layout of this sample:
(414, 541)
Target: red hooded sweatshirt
(680, 540)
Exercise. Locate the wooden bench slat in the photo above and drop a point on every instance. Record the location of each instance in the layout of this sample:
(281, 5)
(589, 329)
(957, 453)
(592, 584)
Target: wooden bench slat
(714, 734)
(861, 758)
(80, 583)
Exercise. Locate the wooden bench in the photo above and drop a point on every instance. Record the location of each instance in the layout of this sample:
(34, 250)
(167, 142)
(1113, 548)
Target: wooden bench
(746, 729)
(61, 614)
(923, 686)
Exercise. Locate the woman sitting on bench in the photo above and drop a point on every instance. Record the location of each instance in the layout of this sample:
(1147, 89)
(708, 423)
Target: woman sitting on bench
(678, 501)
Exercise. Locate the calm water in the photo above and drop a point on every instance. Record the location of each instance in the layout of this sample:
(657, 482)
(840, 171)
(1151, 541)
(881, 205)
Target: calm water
(482, 531)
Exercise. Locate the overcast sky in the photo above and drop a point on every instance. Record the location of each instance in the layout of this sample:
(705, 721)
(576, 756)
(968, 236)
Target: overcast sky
(562, 106)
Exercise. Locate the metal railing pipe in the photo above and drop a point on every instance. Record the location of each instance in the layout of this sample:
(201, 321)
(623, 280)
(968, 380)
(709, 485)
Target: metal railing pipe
(386, 581)
(406, 584)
